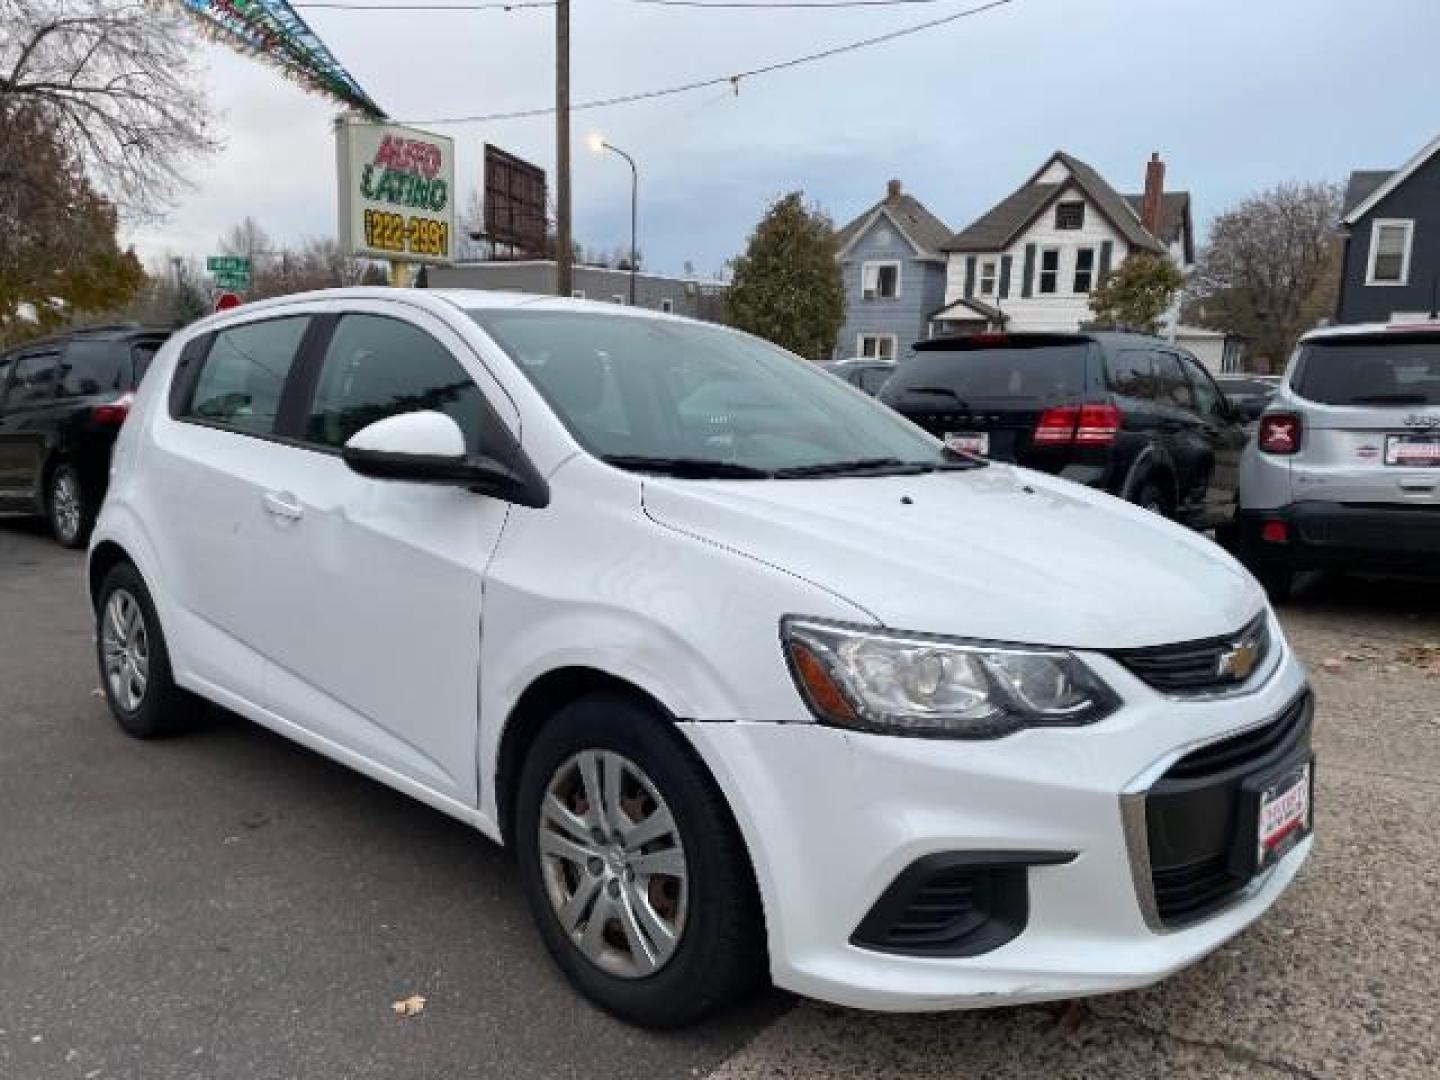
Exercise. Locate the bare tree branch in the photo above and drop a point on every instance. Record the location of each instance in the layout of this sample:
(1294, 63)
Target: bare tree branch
(118, 85)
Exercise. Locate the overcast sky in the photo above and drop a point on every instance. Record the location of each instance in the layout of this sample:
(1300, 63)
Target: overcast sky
(1235, 94)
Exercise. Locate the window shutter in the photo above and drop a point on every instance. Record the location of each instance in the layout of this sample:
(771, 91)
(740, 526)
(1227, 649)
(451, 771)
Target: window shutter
(969, 277)
(1027, 286)
(1004, 277)
(1107, 249)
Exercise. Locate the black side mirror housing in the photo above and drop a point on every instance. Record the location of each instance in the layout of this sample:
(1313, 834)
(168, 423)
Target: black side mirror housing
(519, 483)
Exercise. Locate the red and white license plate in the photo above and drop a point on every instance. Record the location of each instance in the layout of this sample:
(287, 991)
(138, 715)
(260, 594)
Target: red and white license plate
(968, 442)
(1284, 815)
(1412, 450)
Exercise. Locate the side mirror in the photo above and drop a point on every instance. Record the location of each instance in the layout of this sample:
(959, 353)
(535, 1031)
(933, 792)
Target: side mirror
(428, 447)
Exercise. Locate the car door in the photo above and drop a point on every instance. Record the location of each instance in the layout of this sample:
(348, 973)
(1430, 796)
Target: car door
(1186, 441)
(1224, 432)
(27, 426)
(376, 637)
(210, 473)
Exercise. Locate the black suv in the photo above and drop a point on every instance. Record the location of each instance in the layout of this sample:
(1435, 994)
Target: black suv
(1127, 413)
(62, 402)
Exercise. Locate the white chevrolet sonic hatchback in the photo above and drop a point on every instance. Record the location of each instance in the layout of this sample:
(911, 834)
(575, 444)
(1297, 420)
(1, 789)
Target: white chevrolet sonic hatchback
(754, 676)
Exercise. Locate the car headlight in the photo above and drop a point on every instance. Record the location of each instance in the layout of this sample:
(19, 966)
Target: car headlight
(914, 684)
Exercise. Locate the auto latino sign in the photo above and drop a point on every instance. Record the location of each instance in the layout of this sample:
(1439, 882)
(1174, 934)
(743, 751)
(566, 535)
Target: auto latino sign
(397, 192)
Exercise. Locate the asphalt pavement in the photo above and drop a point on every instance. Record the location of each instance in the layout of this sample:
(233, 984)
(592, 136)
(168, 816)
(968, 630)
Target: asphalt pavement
(228, 905)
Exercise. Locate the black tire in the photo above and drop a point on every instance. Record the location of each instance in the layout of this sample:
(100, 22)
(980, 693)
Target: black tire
(720, 953)
(69, 507)
(162, 707)
(1277, 581)
(1150, 496)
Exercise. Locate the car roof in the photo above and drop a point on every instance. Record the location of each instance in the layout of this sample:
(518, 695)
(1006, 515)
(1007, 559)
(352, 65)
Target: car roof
(113, 332)
(964, 342)
(436, 300)
(1424, 326)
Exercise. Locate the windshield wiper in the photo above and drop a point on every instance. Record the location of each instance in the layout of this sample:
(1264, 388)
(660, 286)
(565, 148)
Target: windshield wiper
(686, 468)
(945, 390)
(1390, 399)
(857, 467)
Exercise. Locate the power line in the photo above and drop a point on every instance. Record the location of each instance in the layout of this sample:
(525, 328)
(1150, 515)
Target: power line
(721, 80)
(500, 5)
(782, 4)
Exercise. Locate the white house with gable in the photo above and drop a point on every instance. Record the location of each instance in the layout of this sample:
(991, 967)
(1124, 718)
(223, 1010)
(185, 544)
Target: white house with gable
(1030, 262)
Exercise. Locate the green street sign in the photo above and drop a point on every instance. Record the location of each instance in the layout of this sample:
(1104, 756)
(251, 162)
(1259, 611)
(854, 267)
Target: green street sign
(231, 280)
(228, 264)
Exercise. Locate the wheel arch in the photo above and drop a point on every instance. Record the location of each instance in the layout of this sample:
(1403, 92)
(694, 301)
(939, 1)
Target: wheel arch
(1150, 465)
(105, 557)
(540, 700)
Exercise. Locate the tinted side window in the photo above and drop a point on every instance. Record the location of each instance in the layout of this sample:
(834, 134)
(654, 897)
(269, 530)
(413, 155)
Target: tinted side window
(244, 374)
(1207, 395)
(35, 376)
(142, 352)
(1174, 387)
(93, 367)
(1132, 373)
(376, 367)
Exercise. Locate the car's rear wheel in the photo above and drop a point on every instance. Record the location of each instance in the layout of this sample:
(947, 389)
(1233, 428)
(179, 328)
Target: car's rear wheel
(134, 662)
(1151, 496)
(633, 867)
(71, 512)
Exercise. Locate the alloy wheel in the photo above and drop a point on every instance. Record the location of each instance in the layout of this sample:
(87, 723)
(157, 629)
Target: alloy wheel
(65, 507)
(613, 863)
(126, 648)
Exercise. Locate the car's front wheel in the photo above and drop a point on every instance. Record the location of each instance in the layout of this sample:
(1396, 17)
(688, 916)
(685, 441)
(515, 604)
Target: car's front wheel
(633, 866)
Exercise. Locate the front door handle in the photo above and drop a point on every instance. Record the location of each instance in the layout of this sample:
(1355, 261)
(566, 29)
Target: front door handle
(282, 504)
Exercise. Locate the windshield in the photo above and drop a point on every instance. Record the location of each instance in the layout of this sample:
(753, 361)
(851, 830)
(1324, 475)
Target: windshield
(1390, 370)
(1048, 373)
(701, 400)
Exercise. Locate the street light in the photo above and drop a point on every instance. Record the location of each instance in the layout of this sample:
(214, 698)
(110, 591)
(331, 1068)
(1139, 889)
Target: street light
(597, 144)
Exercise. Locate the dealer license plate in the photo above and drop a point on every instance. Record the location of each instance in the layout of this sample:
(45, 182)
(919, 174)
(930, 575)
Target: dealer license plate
(1284, 815)
(968, 442)
(1412, 450)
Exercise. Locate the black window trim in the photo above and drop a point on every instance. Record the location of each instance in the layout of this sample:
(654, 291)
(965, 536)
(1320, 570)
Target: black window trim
(196, 354)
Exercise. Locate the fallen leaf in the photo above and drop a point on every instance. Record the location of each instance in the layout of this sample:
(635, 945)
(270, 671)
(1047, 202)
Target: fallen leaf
(411, 1006)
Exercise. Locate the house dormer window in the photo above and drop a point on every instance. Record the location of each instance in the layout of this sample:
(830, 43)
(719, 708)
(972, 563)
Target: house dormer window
(880, 280)
(989, 275)
(1070, 215)
(1390, 252)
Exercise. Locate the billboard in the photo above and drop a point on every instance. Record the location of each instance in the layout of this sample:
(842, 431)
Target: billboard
(397, 192)
(514, 204)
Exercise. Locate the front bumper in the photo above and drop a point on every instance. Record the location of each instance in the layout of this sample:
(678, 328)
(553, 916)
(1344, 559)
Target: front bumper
(1346, 536)
(833, 818)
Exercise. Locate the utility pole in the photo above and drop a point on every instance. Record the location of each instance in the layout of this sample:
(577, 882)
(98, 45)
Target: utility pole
(564, 251)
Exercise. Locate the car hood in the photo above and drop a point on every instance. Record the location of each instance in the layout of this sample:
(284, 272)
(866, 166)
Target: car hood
(1000, 553)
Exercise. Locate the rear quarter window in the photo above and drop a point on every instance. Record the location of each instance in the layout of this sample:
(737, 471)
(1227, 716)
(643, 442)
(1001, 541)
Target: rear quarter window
(1370, 371)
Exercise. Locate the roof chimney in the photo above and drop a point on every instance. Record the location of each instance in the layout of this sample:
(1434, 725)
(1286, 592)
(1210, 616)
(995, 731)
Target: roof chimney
(1152, 203)
(892, 191)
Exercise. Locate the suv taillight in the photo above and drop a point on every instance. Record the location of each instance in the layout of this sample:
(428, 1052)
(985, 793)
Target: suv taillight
(1094, 424)
(1279, 433)
(1098, 425)
(113, 412)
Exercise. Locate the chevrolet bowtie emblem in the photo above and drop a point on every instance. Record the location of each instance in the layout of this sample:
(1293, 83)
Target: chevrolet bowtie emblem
(1239, 661)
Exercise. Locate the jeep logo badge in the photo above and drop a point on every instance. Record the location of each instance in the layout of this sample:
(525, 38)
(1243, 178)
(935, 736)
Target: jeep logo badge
(1420, 420)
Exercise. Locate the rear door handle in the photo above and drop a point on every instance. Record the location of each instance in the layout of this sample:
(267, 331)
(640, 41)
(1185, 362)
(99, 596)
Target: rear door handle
(282, 504)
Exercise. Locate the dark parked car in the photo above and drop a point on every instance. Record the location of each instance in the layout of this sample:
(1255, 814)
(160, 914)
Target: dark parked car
(1127, 413)
(867, 375)
(1248, 394)
(62, 402)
